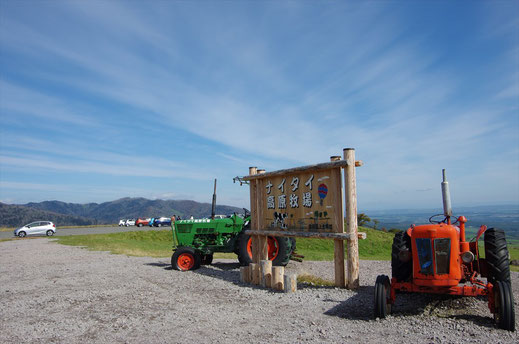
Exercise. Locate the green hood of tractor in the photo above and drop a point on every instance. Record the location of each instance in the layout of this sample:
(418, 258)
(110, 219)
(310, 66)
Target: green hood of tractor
(187, 232)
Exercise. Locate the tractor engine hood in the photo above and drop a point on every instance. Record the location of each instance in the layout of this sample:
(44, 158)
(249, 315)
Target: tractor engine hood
(436, 254)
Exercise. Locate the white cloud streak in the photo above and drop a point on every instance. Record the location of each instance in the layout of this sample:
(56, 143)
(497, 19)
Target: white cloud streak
(365, 87)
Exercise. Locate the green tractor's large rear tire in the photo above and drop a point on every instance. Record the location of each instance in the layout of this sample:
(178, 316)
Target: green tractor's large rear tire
(279, 250)
(401, 259)
(241, 250)
(496, 256)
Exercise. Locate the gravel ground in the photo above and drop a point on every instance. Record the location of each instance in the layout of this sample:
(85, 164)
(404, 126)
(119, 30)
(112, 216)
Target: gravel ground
(55, 293)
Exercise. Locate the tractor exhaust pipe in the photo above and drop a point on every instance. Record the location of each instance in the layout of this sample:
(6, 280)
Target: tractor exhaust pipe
(446, 196)
(213, 209)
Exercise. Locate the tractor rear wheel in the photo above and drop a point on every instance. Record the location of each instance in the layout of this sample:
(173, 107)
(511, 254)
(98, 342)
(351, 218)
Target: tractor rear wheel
(504, 306)
(279, 250)
(382, 297)
(207, 259)
(401, 258)
(185, 258)
(496, 256)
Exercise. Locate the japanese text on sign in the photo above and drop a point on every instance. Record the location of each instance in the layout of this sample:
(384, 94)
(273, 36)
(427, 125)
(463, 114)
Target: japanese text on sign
(301, 202)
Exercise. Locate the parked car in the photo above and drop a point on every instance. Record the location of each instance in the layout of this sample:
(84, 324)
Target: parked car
(122, 222)
(142, 222)
(163, 221)
(37, 227)
(130, 222)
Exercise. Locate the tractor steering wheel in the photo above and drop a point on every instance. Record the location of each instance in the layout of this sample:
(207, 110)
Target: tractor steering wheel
(431, 219)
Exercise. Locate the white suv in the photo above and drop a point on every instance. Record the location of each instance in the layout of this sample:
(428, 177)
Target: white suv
(38, 227)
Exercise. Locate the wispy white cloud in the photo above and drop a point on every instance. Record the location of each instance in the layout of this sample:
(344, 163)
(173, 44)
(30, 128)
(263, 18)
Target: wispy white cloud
(128, 167)
(22, 101)
(78, 150)
(354, 75)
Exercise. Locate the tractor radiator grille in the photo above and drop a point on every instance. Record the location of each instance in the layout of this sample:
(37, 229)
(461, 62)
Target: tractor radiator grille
(442, 251)
(425, 256)
(184, 229)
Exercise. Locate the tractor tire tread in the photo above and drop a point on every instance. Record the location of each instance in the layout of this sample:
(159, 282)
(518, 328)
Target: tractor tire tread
(285, 250)
(402, 271)
(282, 259)
(381, 309)
(506, 306)
(496, 255)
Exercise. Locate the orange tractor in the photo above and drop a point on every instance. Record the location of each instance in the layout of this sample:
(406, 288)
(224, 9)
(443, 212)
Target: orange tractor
(436, 258)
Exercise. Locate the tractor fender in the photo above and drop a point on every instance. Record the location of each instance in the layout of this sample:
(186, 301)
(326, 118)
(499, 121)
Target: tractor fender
(482, 230)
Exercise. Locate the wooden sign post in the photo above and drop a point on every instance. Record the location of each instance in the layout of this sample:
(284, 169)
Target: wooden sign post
(307, 202)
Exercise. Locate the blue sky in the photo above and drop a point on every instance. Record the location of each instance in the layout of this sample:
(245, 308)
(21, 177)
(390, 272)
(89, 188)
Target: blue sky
(105, 99)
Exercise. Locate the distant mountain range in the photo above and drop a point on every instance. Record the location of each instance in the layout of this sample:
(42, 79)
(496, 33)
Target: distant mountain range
(505, 217)
(62, 213)
(17, 215)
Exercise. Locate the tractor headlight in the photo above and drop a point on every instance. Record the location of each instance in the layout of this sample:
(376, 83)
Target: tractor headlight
(467, 257)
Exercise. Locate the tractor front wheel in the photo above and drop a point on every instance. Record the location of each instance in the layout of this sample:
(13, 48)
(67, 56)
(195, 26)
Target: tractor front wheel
(504, 315)
(382, 297)
(185, 258)
(496, 256)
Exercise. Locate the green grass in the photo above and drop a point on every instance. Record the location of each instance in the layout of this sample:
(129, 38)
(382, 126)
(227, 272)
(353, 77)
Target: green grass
(150, 244)
(377, 246)
(514, 255)
(315, 281)
(141, 244)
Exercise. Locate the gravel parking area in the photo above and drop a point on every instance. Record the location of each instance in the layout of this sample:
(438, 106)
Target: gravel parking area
(54, 293)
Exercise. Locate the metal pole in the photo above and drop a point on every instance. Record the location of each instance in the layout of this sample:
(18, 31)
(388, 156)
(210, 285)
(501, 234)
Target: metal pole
(213, 210)
(446, 196)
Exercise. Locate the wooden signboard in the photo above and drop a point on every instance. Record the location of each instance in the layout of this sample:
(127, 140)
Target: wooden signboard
(307, 202)
(301, 202)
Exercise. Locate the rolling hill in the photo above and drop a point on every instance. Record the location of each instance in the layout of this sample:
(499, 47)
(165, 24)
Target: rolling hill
(63, 213)
(16, 215)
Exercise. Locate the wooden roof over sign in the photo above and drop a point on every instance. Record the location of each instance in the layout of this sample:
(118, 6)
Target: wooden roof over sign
(317, 167)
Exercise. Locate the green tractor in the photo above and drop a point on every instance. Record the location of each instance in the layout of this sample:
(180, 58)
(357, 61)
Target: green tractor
(195, 241)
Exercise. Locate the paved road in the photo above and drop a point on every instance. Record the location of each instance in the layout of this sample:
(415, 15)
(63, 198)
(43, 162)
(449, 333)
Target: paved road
(89, 230)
